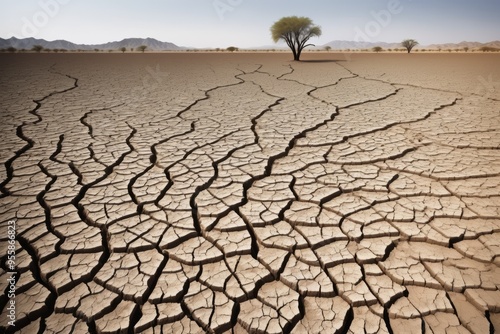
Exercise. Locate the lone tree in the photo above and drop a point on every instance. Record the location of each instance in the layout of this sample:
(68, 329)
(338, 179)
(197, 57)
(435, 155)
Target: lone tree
(377, 49)
(409, 44)
(295, 31)
(37, 48)
(123, 49)
(232, 49)
(328, 48)
(142, 48)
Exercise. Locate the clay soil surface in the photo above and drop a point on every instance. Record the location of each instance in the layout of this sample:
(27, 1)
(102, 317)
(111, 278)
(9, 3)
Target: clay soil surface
(234, 193)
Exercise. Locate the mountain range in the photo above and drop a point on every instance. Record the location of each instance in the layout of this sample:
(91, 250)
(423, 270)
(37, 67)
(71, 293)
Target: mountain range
(156, 45)
(27, 43)
(343, 45)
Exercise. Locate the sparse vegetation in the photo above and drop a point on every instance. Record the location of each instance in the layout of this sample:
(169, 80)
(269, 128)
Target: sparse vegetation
(11, 49)
(377, 49)
(232, 49)
(37, 48)
(296, 32)
(142, 48)
(123, 49)
(409, 44)
(488, 49)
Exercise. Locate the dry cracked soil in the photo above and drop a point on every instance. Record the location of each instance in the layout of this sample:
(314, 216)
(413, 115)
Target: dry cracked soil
(234, 193)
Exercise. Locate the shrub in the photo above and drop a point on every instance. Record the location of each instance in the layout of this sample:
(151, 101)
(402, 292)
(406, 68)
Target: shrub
(489, 49)
(37, 48)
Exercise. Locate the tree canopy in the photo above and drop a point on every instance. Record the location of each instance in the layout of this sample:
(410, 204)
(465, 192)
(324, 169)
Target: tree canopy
(295, 31)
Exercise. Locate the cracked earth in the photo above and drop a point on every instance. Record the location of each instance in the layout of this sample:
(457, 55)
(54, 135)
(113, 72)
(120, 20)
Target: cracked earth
(198, 193)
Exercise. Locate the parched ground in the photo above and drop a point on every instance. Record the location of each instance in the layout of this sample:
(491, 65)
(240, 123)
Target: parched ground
(233, 193)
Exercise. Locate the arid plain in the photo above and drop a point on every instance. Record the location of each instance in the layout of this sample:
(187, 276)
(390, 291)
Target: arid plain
(234, 193)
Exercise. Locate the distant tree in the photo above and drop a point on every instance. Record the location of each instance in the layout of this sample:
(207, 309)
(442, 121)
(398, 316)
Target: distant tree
(409, 44)
(466, 49)
(142, 48)
(390, 50)
(37, 48)
(47, 50)
(328, 48)
(377, 49)
(217, 49)
(63, 50)
(56, 50)
(123, 49)
(97, 50)
(232, 49)
(295, 31)
(11, 49)
(440, 49)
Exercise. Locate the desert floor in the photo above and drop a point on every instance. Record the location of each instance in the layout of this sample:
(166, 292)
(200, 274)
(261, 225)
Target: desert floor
(226, 193)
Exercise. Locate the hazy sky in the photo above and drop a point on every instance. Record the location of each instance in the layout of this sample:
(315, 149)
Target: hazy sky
(245, 23)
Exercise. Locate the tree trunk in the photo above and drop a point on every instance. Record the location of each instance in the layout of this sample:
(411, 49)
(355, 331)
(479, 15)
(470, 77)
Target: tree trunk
(297, 57)
(294, 53)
